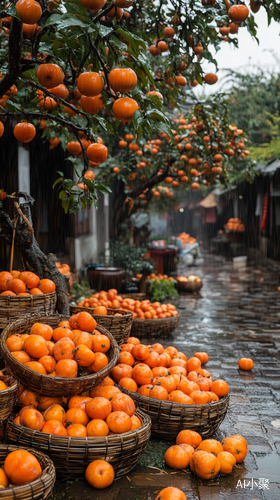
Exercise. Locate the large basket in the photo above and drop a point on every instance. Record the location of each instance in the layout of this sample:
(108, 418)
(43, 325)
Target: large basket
(72, 455)
(189, 286)
(8, 397)
(39, 488)
(168, 418)
(13, 308)
(118, 326)
(44, 384)
(154, 328)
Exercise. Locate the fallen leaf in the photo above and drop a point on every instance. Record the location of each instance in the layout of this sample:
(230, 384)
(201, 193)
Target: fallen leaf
(128, 478)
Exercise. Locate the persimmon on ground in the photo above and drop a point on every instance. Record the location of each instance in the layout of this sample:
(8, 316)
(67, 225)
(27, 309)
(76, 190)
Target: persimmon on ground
(206, 457)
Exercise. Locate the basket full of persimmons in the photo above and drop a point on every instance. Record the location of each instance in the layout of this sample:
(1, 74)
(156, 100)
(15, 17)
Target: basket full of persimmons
(151, 319)
(24, 293)
(107, 310)
(58, 356)
(102, 424)
(177, 392)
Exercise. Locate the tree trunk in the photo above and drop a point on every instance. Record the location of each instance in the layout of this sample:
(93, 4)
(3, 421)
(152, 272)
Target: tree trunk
(33, 259)
(121, 210)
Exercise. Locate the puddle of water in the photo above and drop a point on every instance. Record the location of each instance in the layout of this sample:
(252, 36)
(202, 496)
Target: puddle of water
(268, 465)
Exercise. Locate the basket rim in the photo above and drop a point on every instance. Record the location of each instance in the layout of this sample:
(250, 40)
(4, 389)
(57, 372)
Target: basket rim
(39, 376)
(154, 321)
(121, 311)
(160, 402)
(48, 470)
(26, 297)
(15, 385)
(146, 423)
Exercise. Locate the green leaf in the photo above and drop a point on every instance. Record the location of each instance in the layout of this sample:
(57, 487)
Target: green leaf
(137, 119)
(104, 30)
(156, 114)
(58, 181)
(11, 11)
(165, 128)
(62, 194)
(65, 202)
(12, 106)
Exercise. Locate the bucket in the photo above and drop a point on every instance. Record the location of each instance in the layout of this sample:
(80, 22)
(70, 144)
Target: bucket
(239, 262)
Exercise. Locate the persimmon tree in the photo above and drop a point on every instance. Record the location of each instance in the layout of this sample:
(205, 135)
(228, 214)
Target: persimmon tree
(80, 70)
(68, 66)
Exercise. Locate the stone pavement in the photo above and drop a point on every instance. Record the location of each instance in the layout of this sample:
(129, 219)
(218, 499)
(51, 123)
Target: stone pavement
(236, 314)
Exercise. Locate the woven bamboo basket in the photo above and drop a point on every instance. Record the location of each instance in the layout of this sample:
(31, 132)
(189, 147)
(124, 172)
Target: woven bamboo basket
(168, 418)
(40, 488)
(72, 455)
(44, 384)
(134, 296)
(118, 326)
(154, 328)
(189, 286)
(8, 397)
(13, 308)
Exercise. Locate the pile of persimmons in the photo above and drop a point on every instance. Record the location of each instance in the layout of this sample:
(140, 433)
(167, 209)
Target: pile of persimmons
(166, 374)
(66, 351)
(141, 309)
(102, 412)
(206, 457)
(24, 283)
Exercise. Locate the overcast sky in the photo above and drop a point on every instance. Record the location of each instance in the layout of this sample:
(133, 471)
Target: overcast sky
(249, 53)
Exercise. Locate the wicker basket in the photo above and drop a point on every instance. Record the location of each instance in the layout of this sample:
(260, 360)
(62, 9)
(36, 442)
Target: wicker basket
(71, 455)
(13, 308)
(189, 286)
(154, 328)
(39, 488)
(118, 326)
(8, 397)
(134, 296)
(168, 418)
(44, 384)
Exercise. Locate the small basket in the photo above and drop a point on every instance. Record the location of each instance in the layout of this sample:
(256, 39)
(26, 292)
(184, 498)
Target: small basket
(189, 286)
(40, 488)
(169, 418)
(72, 455)
(44, 384)
(154, 328)
(8, 397)
(13, 308)
(118, 326)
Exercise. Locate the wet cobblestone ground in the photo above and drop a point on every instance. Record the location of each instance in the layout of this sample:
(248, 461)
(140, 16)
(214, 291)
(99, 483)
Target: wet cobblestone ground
(237, 314)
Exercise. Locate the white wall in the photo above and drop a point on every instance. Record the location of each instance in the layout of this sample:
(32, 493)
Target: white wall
(86, 247)
(23, 170)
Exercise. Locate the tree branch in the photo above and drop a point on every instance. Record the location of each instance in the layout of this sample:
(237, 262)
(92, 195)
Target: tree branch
(58, 99)
(15, 41)
(48, 116)
(103, 13)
